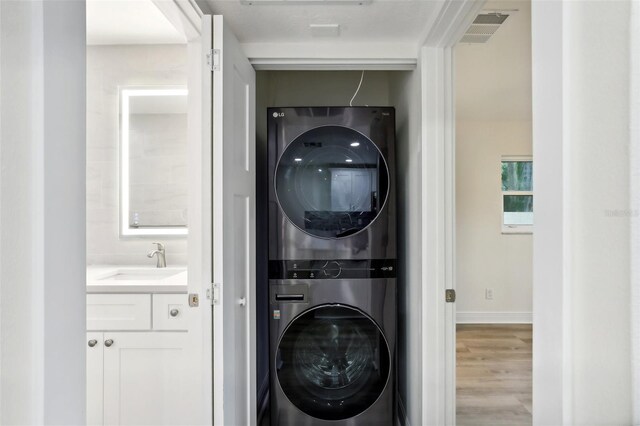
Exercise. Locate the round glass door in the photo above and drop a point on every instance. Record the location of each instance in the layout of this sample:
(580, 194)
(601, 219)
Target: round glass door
(332, 182)
(333, 362)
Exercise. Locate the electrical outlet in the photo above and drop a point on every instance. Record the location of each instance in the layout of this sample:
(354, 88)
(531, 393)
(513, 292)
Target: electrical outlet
(488, 293)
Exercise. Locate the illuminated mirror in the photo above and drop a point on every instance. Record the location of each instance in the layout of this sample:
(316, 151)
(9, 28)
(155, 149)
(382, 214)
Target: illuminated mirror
(153, 161)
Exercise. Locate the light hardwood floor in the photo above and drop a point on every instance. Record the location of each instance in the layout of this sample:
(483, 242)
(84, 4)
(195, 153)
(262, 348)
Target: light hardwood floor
(493, 374)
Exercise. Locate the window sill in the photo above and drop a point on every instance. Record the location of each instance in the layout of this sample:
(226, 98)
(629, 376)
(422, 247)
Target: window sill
(507, 230)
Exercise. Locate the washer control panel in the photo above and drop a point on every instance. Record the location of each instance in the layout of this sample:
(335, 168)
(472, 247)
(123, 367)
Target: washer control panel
(331, 269)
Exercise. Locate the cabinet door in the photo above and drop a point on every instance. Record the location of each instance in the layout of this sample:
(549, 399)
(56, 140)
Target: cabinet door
(95, 375)
(147, 379)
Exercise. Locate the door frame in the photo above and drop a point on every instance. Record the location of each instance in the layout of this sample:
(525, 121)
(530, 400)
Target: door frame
(438, 211)
(186, 17)
(551, 393)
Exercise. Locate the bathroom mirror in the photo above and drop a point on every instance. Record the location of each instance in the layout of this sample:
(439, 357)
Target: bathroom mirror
(153, 161)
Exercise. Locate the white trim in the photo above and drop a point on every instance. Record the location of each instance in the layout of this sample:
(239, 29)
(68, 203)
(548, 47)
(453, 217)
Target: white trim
(517, 229)
(514, 192)
(551, 257)
(438, 210)
(451, 23)
(329, 50)
(214, 86)
(450, 235)
(436, 386)
(494, 317)
(634, 168)
(347, 64)
(563, 193)
(515, 158)
(199, 211)
(184, 15)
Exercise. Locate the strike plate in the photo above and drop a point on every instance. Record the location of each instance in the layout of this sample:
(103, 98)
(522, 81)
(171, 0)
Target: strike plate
(194, 300)
(450, 295)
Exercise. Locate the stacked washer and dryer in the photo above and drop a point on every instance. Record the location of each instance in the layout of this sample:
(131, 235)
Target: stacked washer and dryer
(332, 265)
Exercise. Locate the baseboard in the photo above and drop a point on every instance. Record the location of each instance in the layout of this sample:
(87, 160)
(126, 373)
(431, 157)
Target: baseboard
(263, 399)
(402, 419)
(494, 317)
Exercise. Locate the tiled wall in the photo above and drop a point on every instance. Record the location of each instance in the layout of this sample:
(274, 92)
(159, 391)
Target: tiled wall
(109, 67)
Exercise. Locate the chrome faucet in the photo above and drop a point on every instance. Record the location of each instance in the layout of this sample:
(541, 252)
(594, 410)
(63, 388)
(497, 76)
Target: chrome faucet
(161, 260)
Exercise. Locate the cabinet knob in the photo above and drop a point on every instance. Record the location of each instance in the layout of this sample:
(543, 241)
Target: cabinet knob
(242, 301)
(108, 343)
(174, 312)
(92, 343)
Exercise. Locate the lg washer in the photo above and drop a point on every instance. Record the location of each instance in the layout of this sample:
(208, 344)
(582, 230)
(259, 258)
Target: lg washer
(332, 351)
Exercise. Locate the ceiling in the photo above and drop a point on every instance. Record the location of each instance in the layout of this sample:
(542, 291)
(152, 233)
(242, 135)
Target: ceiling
(493, 80)
(386, 21)
(128, 22)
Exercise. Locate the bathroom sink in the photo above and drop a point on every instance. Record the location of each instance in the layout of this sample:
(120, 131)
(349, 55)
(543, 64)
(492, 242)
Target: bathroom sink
(142, 274)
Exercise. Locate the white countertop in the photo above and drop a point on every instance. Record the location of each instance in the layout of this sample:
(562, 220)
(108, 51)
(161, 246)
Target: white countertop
(100, 279)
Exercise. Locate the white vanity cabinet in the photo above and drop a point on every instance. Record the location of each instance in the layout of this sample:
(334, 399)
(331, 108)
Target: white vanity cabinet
(138, 369)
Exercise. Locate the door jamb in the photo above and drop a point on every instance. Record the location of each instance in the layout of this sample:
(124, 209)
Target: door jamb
(551, 369)
(186, 16)
(438, 211)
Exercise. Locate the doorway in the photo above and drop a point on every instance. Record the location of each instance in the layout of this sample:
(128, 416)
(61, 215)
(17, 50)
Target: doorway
(148, 333)
(494, 217)
(399, 89)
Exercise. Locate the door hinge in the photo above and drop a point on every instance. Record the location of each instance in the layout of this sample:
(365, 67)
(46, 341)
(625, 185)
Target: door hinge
(450, 295)
(213, 59)
(213, 293)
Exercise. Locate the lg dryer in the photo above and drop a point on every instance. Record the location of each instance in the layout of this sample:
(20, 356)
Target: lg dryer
(331, 183)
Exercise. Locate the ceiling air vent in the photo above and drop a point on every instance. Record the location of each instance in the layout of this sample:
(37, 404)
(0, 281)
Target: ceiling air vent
(483, 27)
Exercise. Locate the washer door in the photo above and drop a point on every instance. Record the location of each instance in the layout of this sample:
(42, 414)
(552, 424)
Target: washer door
(333, 362)
(331, 182)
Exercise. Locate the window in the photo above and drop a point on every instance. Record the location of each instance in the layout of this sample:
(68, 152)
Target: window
(517, 195)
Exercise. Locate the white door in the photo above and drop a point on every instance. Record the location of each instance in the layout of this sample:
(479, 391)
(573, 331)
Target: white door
(233, 124)
(148, 379)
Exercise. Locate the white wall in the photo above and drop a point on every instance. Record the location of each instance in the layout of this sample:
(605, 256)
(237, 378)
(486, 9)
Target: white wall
(581, 338)
(109, 67)
(486, 258)
(42, 272)
(598, 170)
(404, 94)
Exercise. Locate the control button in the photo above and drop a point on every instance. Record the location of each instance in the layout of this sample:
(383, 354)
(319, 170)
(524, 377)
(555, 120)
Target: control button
(332, 269)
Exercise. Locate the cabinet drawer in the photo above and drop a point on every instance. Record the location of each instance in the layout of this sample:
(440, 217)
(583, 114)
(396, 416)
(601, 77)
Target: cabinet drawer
(170, 311)
(118, 311)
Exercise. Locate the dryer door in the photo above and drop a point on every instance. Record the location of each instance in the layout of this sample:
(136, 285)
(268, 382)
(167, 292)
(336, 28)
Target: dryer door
(331, 182)
(333, 362)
